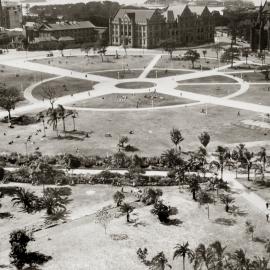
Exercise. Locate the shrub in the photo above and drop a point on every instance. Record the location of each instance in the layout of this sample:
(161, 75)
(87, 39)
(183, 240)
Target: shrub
(163, 211)
(151, 195)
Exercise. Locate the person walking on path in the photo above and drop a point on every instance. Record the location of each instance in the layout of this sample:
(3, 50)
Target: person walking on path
(267, 205)
(267, 217)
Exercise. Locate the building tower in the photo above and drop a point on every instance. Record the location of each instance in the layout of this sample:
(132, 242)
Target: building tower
(1, 14)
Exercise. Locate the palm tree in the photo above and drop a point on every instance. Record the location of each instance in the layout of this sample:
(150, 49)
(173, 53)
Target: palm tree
(248, 161)
(259, 263)
(27, 199)
(171, 157)
(240, 260)
(263, 157)
(118, 197)
(63, 114)
(223, 155)
(41, 117)
(183, 251)
(235, 156)
(227, 200)
(219, 254)
(194, 186)
(203, 256)
(74, 115)
(159, 262)
(54, 200)
(176, 137)
(53, 119)
(204, 139)
(127, 209)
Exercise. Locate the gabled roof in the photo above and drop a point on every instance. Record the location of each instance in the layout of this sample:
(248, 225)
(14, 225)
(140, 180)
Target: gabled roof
(67, 26)
(180, 10)
(141, 15)
(266, 7)
(198, 10)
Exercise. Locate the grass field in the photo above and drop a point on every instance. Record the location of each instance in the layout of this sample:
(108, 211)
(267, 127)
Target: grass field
(120, 74)
(94, 63)
(135, 85)
(151, 131)
(157, 73)
(243, 67)
(212, 90)
(252, 76)
(258, 94)
(83, 238)
(131, 101)
(210, 79)
(64, 86)
(166, 62)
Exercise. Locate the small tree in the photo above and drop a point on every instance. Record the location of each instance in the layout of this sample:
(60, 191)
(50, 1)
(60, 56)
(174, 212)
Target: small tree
(9, 97)
(245, 53)
(103, 217)
(204, 53)
(227, 200)
(127, 209)
(176, 137)
(191, 55)
(49, 93)
(122, 141)
(217, 48)
(86, 47)
(118, 198)
(163, 211)
(204, 138)
(250, 229)
(230, 55)
(169, 46)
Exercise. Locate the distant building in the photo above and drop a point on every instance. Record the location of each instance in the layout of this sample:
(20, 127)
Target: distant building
(11, 15)
(145, 28)
(260, 29)
(68, 31)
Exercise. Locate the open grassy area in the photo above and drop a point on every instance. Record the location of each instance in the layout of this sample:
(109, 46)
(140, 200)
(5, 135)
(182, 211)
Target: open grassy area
(131, 101)
(135, 85)
(83, 238)
(259, 94)
(243, 67)
(120, 74)
(151, 131)
(94, 63)
(256, 76)
(64, 86)
(166, 62)
(212, 90)
(210, 79)
(158, 73)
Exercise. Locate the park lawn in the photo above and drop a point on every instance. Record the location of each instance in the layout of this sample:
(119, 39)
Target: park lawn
(166, 62)
(211, 90)
(135, 85)
(210, 79)
(131, 101)
(151, 131)
(84, 239)
(120, 74)
(242, 67)
(64, 86)
(94, 63)
(255, 76)
(159, 73)
(258, 94)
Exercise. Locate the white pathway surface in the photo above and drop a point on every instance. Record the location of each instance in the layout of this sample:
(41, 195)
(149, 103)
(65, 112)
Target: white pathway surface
(107, 85)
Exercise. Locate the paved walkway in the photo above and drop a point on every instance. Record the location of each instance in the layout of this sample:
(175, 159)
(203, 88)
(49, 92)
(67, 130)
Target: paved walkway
(150, 66)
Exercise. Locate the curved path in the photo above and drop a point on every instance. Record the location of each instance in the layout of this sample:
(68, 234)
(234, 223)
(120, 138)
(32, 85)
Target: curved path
(105, 85)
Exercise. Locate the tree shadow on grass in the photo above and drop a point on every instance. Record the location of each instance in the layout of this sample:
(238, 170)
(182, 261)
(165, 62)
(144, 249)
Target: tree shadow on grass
(80, 132)
(3, 266)
(225, 221)
(235, 211)
(131, 148)
(173, 222)
(69, 137)
(5, 215)
(259, 240)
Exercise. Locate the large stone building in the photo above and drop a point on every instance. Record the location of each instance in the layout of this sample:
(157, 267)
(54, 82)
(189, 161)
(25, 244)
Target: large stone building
(11, 15)
(260, 29)
(68, 31)
(146, 28)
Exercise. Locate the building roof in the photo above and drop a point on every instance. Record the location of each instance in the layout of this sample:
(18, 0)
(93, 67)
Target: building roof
(141, 15)
(67, 26)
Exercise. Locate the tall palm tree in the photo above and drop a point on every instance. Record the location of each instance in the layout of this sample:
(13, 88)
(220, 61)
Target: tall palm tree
(27, 199)
(53, 119)
(219, 254)
(263, 157)
(248, 161)
(176, 137)
(171, 157)
(74, 115)
(194, 186)
(222, 155)
(203, 256)
(183, 251)
(63, 114)
(159, 262)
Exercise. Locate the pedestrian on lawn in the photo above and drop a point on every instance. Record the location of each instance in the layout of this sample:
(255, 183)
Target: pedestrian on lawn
(267, 217)
(267, 205)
